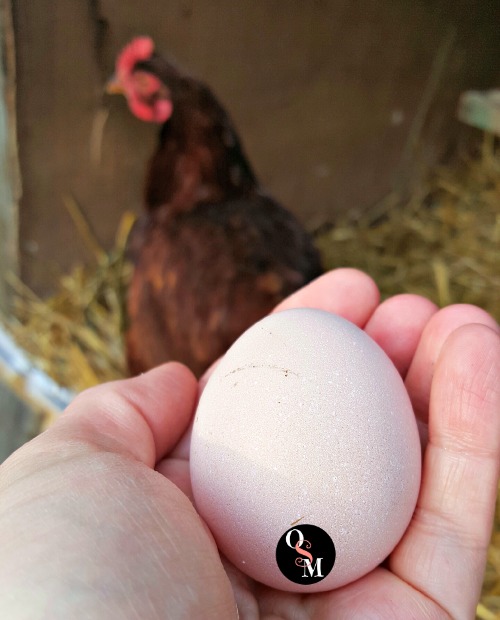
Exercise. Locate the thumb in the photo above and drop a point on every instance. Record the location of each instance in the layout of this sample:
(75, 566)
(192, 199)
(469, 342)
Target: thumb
(140, 418)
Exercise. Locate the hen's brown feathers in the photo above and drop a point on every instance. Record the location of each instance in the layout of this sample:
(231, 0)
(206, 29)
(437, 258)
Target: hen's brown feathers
(212, 253)
(203, 276)
(199, 156)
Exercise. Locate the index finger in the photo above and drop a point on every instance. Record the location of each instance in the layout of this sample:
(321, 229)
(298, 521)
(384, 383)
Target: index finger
(347, 292)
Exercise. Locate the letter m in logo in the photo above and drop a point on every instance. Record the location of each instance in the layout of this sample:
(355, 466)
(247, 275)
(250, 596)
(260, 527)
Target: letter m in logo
(312, 568)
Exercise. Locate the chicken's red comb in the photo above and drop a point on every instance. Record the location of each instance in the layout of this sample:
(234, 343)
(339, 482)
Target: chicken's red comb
(140, 48)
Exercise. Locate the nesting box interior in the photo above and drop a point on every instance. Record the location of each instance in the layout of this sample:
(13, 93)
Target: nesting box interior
(347, 111)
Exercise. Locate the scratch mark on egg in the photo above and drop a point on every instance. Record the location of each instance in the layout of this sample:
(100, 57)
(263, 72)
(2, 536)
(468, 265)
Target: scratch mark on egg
(286, 371)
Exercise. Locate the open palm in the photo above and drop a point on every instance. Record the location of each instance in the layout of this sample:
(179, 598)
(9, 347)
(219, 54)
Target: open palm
(92, 526)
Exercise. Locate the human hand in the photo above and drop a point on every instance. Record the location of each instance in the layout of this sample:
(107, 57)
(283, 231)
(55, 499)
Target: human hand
(450, 360)
(88, 528)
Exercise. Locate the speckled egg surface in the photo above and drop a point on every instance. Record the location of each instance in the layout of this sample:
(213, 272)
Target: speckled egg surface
(305, 421)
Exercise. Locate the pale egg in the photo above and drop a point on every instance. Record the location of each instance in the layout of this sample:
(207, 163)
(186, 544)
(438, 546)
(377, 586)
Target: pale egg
(305, 454)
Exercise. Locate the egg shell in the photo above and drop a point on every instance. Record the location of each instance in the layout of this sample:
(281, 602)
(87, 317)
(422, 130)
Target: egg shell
(305, 418)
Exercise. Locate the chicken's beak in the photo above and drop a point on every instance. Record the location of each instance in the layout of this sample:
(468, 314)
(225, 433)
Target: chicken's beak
(114, 86)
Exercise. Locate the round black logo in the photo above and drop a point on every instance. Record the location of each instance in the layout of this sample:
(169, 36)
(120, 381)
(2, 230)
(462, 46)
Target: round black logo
(305, 554)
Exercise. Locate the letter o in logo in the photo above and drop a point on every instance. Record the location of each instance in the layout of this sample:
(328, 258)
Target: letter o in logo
(289, 536)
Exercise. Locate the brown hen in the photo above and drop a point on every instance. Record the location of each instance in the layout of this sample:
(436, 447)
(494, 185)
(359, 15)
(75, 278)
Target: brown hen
(212, 254)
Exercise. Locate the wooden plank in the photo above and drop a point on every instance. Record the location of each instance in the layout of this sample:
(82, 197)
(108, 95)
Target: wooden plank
(60, 91)
(17, 422)
(329, 97)
(10, 186)
(29, 399)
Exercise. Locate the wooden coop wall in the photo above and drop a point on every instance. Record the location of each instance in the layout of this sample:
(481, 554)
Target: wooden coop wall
(335, 101)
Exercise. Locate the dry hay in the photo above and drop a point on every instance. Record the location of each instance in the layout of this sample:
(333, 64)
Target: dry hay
(76, 336)
(442, 242)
